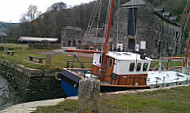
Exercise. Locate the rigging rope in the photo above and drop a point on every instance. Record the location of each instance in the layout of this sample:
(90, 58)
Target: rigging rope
(99, 14)
(92, 17)
(118, 24)
(107, 16)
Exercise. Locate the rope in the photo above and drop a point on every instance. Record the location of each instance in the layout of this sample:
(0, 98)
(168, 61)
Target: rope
(118, 24)
(91, 19)
(184, 11)
(99, 13)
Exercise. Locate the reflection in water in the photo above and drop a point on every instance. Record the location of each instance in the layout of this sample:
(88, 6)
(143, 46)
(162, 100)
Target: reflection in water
(7, 94)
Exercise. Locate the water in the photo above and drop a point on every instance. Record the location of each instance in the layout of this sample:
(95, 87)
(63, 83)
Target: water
(7, 94)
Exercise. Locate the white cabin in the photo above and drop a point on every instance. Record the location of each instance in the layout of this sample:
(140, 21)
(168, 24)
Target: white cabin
(126, 63)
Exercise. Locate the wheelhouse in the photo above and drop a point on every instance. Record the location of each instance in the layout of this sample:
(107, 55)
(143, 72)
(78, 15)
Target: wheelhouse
(123, 63)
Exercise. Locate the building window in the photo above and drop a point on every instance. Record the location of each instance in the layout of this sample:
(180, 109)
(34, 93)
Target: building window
(132, 19)
(79, 42)
(138, 66)
(69, 43)
(131, 44)
(177, 35)
(132, 67)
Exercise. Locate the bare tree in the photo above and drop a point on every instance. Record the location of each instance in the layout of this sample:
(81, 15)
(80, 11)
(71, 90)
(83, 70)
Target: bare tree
(31, 14)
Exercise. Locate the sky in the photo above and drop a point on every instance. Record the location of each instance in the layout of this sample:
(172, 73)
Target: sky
(12, 10)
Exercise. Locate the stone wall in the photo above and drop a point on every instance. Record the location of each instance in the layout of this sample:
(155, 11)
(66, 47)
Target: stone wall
(31, 84)
(152, 27)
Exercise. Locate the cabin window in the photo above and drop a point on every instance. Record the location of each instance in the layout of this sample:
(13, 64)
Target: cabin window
(110, 63)
(132, 67)
(138, 66)
(145, 66)
(100, 59)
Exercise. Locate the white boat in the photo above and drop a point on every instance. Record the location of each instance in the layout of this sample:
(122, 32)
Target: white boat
(166, 78)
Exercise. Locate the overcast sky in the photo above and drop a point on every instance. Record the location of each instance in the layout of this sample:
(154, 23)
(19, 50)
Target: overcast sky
(12, 10)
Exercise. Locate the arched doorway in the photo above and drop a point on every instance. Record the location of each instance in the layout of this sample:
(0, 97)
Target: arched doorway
(69, 43)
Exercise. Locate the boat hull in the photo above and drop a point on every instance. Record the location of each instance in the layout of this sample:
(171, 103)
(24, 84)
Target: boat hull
(70, 83)
(113, 88)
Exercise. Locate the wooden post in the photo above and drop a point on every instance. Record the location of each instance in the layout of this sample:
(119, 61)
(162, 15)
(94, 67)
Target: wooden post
(5, 49)
(48, 59)
(89, 90)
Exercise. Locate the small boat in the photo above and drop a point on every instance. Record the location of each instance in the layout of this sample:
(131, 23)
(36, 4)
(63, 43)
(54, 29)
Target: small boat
(124, 71)
(166, 78)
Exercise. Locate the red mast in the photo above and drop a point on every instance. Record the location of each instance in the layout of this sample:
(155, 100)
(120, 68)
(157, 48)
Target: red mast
(106, 45)
(187, 52)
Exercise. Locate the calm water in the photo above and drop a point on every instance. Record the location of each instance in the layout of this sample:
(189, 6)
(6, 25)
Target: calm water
(7, 94)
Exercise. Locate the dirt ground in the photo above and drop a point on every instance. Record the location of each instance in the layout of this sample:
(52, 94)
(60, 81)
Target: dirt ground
(61, 52)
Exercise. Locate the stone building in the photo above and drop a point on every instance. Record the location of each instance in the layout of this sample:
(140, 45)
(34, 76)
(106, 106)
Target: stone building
(71, 36)
(147, 29)
(74, 37)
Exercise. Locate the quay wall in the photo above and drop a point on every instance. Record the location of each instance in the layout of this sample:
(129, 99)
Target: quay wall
(31, 84)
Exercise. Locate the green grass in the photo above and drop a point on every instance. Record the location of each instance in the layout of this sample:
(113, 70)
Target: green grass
(175, 100)
(22, 52)
(68, 106)
(165, 63)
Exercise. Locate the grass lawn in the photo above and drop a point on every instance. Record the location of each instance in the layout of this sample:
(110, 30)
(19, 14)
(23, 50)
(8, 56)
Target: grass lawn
(22, 52)
(175, 100)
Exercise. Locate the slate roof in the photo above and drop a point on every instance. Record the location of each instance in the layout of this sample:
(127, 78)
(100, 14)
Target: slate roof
(166, 14)
(2, 33)
(159, 11)
(156, 9)
(134, 3)
(72, 28)
(173, 18)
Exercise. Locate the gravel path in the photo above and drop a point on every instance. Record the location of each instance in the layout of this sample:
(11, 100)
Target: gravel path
(30, 106)
(61, 52)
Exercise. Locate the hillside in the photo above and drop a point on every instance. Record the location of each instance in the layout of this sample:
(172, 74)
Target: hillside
(3, 25)
(51, 23)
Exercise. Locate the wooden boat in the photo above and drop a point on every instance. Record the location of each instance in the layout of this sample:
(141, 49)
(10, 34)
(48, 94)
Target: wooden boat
(116, 70)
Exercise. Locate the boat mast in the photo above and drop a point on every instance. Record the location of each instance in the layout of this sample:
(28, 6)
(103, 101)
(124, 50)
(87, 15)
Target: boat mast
(106, 45)
(187, 53)
(185, 23)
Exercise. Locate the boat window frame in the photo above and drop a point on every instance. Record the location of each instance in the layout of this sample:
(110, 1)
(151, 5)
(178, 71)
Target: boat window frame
(132, 68)
(139, 69)
(147, 64)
